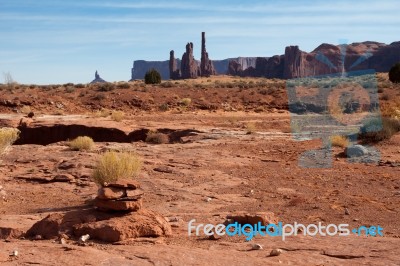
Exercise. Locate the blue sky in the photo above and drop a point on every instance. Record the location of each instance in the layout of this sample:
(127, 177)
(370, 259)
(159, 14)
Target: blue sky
(52, 41)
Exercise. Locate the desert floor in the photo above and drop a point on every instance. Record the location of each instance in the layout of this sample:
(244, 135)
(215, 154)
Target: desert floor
(211, 168)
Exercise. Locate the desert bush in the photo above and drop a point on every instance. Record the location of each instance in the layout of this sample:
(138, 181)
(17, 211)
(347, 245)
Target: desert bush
(102, 113)
(152, 77)
(123, 85)
(251, 128)
(385, 97)
(113, 166)
(99, 97)
(186, 101)
(394, 73)
(156, 137)
(80, 86)
(106, 86)
(259, 109)
(377, 130)
(164, 107)
(117, 115)
(82, 143)
(7, 137)
(25, 109)
(167, 84)
(339, 141)
(69, 89)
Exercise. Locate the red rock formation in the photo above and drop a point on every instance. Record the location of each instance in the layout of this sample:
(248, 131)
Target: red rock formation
(174, 73)
(189, 67)
(206, 65)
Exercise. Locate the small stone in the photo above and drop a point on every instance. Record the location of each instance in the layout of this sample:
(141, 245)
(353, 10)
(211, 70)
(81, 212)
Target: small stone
(134, 193)
(256, 247)
(63, 178)
(208, 199)
(356, 151)
(38, 237)
(14, 253)
(63, 241)
(110, 193)
(118, 205)
(275, 252)
(346, 211)
(84, 238)
(123, 183)
(163, 169)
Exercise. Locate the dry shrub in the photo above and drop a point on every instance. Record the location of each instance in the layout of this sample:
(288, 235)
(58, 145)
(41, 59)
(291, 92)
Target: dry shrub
(339, 141)
(25, 109)
(81, 144)
(117, 116)
(7, 137)
(156, 137)
(186, 101)
(251, 128)
(113, 166)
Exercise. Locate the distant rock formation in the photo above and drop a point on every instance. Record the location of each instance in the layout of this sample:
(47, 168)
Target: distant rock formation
(97, 78)
(174, 72)
(206, 65)
(189, 68)
(325, 59)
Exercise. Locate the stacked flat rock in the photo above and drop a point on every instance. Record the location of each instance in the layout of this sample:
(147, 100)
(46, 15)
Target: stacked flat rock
(122, 195)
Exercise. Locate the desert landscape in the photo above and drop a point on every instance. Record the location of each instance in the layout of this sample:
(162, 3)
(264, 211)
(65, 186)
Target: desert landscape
(229, 156)
(199, 132)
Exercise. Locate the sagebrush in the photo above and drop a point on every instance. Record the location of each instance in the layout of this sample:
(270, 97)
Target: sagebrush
(113, 166)
(82, 143)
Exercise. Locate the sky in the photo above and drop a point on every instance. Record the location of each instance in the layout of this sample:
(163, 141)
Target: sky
(55, 42)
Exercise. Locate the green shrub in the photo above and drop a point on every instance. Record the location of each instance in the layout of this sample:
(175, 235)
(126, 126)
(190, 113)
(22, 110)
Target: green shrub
(377, 130)
(82, 143)
(7, 137)
(113, 166)
(394, 73)
(152, 77)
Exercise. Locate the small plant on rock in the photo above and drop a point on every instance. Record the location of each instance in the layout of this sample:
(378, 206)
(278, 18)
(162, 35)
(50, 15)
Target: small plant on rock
(82, 143)
(113, 166)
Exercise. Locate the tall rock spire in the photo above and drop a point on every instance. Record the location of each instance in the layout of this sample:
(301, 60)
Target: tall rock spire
(206, 65)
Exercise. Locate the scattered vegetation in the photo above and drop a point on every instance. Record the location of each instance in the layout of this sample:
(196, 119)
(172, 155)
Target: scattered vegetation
(186, 101)
(123, 85)
(107, 86)
(339, 141)
(25, 109)
(117, 116)
(156, 137)
(82, 143)
(7, 137)
(377, 130)
(394, 73)
(113, 166)
(152, 77)
(251, 128)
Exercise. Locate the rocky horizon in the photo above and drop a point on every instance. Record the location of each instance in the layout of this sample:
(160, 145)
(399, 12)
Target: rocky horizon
(325, 59)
